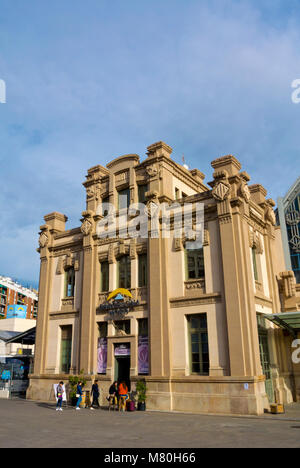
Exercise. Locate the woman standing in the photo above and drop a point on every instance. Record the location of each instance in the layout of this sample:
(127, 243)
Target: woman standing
(79, 395)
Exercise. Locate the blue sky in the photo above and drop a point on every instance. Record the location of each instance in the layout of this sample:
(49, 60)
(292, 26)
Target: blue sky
(88, 81)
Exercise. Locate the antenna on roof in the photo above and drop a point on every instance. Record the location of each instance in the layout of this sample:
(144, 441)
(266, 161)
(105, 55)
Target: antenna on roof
(184, 164)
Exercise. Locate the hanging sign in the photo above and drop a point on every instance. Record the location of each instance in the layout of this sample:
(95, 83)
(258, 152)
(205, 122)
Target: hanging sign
(122, 350)
(119, 303)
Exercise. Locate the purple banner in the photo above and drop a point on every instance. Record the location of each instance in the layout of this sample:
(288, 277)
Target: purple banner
(102, 355)
(143, 355)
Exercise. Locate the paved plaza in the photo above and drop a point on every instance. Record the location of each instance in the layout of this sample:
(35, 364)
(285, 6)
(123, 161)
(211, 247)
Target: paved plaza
(35, 424)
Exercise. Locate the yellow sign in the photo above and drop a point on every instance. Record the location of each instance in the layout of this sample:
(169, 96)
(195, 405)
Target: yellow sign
(123, 292)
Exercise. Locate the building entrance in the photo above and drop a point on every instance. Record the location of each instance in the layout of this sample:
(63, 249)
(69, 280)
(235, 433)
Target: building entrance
(122, 370)
(122, 363)
(265, 358)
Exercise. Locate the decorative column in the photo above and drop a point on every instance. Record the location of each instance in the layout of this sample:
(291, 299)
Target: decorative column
(55, 223)
(88, 306)
(231, 194)
(159, 306)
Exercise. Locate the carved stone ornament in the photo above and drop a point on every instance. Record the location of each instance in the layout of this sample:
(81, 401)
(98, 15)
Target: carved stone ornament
(270, 215)
(152, 204)
(244, 191)
(86, 227)
(93, 193)
(288, 283)
(221, 191)
(43, 240)
(151, 171)
(111, 254)
(255, 242)
(90, 193)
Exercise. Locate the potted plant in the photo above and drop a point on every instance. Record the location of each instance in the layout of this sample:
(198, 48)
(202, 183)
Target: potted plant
(73, 382)
(141, 389)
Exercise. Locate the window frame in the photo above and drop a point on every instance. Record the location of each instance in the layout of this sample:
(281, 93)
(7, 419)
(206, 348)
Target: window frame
(72, 283)
(200, 331)
(199, 273)
(125, 261)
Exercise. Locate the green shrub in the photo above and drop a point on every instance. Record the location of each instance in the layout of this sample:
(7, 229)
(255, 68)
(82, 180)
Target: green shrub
(141, 389)
(73, 381)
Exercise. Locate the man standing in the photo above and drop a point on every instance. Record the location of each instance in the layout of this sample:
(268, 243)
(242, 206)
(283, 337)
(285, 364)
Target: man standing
(95, 395)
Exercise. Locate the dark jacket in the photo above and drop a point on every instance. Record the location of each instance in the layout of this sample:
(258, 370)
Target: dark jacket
(95, 391)
(79, 390)
(113, 389)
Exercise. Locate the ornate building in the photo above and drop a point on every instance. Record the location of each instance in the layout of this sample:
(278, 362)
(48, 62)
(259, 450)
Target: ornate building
(196, 327)
(288, 214)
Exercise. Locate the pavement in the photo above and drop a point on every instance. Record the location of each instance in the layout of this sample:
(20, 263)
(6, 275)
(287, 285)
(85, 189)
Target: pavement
(26, 424)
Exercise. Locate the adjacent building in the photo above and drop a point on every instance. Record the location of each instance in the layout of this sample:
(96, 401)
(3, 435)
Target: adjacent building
(288, 215)
(201, 323)
(16, 301)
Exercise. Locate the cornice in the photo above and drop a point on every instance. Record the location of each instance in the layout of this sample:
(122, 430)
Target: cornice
(212, 298)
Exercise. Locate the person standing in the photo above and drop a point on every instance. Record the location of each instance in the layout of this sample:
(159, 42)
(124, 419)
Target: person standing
(95, 395)
(113, 393)
(123, 395)
(59, 396)
(79, 394)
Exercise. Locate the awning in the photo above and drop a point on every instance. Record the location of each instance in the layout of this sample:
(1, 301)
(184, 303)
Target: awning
(289, 321)
(27, 338)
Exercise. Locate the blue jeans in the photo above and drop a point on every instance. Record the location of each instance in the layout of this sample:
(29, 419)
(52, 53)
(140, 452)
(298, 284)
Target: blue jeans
(79, 401)
(59, 403)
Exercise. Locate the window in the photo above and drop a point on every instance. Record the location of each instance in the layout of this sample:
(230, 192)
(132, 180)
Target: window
(122, 327)
(142, 270)
(198, 343)
(142, 190)
(104, 276)
(70, 282)
(102, 329)
(124, 199)
(177, 193)
(254, 262)
(66, 349)
(195, 264)
(124, 272)
(143, 327)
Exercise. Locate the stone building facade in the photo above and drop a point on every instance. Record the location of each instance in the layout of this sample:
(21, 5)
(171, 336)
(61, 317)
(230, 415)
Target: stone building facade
(202, 313)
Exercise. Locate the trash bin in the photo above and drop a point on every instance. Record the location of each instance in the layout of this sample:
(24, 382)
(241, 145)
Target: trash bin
(86, 401)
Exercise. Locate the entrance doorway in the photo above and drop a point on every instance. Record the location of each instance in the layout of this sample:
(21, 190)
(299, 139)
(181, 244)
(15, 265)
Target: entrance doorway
(265, 358)
(122, 369)
(122, 363)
